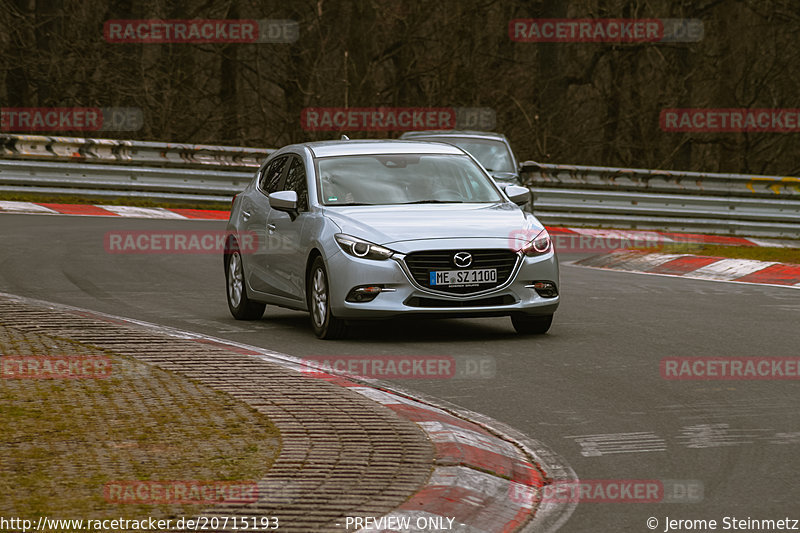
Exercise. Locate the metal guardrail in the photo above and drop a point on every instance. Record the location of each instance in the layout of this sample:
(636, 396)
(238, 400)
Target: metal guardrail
(141, 153)
(680, 213)
(665, 181)
(732, 204)
(115, 181)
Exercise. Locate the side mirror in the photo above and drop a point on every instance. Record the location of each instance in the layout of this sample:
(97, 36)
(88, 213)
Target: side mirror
(285, 201)
(529, 166)
(518, 195)
(507, 177)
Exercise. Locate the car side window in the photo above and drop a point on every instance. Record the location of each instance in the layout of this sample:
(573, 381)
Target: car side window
(271, 175)
(296, 181)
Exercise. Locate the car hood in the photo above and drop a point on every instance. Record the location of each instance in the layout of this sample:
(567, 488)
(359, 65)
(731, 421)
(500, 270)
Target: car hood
(391, 224)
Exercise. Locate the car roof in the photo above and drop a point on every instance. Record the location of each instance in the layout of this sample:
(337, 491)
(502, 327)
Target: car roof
(454, 133)
(378, 146)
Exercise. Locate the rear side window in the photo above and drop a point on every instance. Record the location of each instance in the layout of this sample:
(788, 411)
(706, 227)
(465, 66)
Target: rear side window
(296, 181)
(271, 175)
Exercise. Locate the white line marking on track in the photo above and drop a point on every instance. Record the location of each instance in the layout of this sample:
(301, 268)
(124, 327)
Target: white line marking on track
(717, 435)
(649, 261)
(730, 269)
(141, 212)
(440, 432)
(792, 437)
(611, 443)
(760, 242)
(25, 207)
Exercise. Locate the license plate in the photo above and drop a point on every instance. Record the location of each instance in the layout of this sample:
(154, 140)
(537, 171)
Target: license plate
(463, 277)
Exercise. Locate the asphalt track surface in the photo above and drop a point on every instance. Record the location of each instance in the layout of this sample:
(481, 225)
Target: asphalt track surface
(595, 373)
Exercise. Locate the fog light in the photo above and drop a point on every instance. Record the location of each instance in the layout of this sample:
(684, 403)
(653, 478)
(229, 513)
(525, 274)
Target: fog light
(364, 293)
(545, 289)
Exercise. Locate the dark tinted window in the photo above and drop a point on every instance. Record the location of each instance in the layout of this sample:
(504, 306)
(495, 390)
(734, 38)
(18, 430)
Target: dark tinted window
(296, 181)
(493, 155)
(271, 175)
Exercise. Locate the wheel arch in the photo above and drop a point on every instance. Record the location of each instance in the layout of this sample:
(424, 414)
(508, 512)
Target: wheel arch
(230, 244)
(312, 255)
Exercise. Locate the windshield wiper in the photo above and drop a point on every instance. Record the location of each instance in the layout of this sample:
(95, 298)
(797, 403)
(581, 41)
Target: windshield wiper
(433, 202)
(347, 204)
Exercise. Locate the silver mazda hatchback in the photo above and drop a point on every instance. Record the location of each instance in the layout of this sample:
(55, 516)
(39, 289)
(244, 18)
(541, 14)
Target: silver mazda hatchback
(352, 230)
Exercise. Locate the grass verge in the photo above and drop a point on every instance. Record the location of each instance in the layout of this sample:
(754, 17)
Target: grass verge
(63, 440)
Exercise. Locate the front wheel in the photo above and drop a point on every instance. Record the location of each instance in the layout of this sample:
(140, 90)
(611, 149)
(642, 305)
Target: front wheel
(325, 325)
(242, 307)
(531, 325)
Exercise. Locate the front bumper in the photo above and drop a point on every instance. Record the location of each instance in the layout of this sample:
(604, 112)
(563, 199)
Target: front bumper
(405, 297)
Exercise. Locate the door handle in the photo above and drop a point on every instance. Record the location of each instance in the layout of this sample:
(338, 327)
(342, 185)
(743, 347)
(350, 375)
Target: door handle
(245, 214)
(271, 227)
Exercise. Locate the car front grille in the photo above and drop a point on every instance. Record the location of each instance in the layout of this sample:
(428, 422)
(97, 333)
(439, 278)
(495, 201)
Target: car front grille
(421, 264)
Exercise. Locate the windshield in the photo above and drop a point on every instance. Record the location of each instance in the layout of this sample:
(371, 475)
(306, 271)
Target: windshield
(493, 155)
(403, 179)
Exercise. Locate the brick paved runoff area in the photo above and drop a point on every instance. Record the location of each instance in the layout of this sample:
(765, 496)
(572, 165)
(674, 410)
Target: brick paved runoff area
(173, 410)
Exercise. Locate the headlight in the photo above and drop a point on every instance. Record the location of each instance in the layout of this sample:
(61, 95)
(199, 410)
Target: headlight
(540, 244)
(361, 248)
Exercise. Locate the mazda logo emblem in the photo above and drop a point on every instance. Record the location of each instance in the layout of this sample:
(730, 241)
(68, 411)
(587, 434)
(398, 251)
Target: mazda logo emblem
(462, 259)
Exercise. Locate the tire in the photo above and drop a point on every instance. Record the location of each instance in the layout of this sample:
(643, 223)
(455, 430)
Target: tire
(531, 325)
(242, 307)
(324, 324)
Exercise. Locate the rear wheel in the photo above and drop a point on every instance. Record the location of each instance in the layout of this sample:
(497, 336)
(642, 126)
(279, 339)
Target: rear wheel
(531, 325)
(325, 325)
(242, 307)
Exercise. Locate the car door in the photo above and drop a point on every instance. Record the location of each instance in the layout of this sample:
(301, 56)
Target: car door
(287, 255)
(255, 214)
